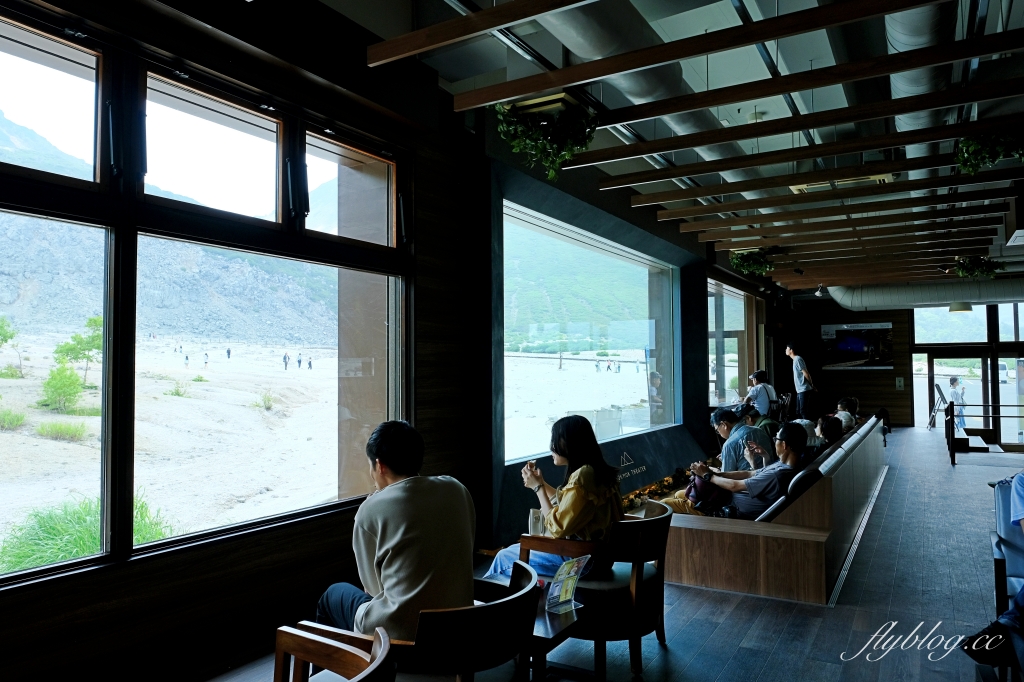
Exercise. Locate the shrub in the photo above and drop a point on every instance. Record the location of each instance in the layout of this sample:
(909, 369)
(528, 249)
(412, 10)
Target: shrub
(266, 401)
(86, 411)
(10, 420)
(10, 372)
(575, 352)
(62, 431)
(180, 390)
(734, 382)
(62, 388)
(71, 530)
(199, 378)
(602, 353)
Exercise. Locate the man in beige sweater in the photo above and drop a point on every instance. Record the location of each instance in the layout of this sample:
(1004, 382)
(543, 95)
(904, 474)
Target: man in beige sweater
(413, 541)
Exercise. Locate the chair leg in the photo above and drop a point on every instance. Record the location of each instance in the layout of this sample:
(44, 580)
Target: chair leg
(636, 656)
(600, 661)
(660, 629)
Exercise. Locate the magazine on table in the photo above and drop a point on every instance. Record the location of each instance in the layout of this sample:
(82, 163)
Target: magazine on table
(563, 586)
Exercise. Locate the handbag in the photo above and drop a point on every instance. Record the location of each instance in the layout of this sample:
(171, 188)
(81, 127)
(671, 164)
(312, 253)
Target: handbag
(705, 495)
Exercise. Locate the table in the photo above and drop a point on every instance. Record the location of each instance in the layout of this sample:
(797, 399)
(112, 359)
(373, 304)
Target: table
(549, 630)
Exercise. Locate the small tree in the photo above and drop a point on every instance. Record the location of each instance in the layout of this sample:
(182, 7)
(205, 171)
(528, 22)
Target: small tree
(7, 334)
(62, 388)
(80, 348)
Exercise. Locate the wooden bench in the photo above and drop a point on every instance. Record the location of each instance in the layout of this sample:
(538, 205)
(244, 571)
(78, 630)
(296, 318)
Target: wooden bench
(800, 548)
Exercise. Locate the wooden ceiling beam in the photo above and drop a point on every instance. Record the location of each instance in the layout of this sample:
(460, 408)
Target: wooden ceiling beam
(876, 268)
(852, 146)
(903, 228)
(882, 189)
(464, 28)
(827, 259)
(840, 240)
(864, 170)
(719, 228)
(1008, 41)
(794, 23)
(855, 248)
(846, 281)
(900, 244)
(826, 230)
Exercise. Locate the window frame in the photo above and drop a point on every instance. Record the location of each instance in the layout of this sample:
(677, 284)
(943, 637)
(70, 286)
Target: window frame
(116, 201)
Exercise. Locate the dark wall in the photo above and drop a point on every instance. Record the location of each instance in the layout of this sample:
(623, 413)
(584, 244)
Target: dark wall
(194, 611)
(875, 388)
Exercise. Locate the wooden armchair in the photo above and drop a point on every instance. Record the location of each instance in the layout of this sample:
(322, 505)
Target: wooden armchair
(626, 601)
(357, 659)
(465, 640)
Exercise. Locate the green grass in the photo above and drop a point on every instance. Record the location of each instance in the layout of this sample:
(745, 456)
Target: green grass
(86, 411)
(61, 431)
(10, 372)
(199, 378)
(10, 420)
(266, 401)
(180, 390)
(53, 534)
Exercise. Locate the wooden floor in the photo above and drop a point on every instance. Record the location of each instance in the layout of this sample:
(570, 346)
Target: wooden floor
(924, 556)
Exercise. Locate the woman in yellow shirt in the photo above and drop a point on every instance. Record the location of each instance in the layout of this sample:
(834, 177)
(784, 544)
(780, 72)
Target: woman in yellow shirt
(582, 508)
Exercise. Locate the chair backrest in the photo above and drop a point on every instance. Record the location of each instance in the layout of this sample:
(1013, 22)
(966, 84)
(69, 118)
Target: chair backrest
(774, 410)
(475, 638)
(1012, 537)
(785, 400)
(639, 540)
(297, 649)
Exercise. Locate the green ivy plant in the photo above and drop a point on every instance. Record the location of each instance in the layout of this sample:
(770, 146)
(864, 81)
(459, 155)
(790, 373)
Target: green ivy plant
(547, 139)
(751, 262)
(975, 153)
(977, 266)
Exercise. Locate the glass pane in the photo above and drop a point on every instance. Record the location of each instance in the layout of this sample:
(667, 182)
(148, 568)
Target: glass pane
(959, 380)
(938, 325)
(921, 389)
(51, 382)
(1011, 399)
(727, 345)
(202, 151)
(349, 193)
(1009, 322)
(47, 104)
(588, 330)
(243, 368)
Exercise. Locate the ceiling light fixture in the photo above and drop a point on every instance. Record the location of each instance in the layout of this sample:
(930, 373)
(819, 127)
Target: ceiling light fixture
(960, 307)
(820, 292)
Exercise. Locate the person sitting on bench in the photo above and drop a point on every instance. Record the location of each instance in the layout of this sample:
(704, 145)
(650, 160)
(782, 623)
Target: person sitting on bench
(728, 425)
(413, 541)
(754, 491)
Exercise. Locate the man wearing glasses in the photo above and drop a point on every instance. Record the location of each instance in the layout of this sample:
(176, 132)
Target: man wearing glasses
(736, 434)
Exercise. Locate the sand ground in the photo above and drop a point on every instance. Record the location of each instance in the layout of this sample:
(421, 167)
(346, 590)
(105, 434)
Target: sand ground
(205, 460)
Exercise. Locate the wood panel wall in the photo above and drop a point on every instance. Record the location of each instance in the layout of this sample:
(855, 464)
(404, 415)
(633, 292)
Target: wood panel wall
(875, 388)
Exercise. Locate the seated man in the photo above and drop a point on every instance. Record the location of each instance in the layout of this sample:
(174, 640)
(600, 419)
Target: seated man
(751, 417)
(761, 392)
(413, 541)
(754, 491)
(727, 424)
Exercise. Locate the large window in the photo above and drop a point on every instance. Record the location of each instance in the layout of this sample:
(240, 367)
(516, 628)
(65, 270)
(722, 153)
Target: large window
(729, 344)
(938, 325)
(168, 370)
(589, 330)
(204, 151)
(51, 386)
(252, 396)
(47, 104)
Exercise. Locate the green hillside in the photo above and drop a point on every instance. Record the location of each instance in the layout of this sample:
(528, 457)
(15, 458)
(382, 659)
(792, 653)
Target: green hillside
(559, 296)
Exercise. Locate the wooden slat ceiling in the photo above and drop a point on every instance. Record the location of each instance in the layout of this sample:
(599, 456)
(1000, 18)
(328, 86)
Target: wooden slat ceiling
(464, 28)
(794, 23)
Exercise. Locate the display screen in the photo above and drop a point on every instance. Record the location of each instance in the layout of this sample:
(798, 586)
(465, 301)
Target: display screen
(857, 346)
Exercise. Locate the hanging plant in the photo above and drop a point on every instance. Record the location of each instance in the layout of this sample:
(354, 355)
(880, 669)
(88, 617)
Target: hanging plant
(751, 262)
(549, 139)
(977, 266)
(975, 153)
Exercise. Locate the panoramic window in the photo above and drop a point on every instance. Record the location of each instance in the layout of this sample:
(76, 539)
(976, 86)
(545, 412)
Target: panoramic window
(51, 386)
(727, 345)
(254, 396)
(938, 325)
(203, 151)
(47, 104)
(1009, 322)
(349, 193)
(588, 331)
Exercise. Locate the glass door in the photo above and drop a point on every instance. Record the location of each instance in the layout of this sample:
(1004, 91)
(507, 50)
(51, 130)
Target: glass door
(1009, 384)
(963, 381)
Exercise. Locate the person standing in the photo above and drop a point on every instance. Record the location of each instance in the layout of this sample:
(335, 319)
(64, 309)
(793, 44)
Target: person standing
(802, 381)
(284, 359)
(298, 365)
(186, 362)
(597, 365)
(310, 361)
(229, 353)
(957, 396)
(637, 366)
(206, 360)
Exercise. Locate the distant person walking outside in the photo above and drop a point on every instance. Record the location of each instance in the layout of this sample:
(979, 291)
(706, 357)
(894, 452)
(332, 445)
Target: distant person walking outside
(229, 353)
(206, 360)
(298, 365)
(804, 384)
(286, 359)
(186, 362)
(310, 361)
(957, 396)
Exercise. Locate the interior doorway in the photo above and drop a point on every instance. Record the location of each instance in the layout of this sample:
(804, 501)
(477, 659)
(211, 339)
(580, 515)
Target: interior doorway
(965, 380)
